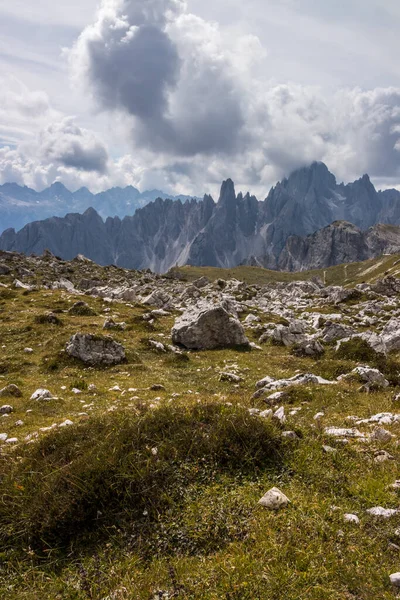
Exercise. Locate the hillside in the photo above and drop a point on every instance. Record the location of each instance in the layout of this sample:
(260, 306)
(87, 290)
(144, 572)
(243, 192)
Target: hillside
(142, 479)
(347, 275)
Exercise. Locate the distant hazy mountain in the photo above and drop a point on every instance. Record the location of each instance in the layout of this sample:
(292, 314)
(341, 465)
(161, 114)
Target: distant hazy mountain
(237, 229)
(22, 205)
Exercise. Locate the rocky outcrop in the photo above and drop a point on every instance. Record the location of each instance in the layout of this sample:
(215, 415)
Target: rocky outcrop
(208, 329)
(340, 242)
(95, 350)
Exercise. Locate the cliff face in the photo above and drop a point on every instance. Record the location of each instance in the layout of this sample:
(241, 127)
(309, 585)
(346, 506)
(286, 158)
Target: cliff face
(338, 243)
(237, 229)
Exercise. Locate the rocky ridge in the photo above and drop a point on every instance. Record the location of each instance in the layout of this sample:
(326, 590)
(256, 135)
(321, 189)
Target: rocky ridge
(237, 229)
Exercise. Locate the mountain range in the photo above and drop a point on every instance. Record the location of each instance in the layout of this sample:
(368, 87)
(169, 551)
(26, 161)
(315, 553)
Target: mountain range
(307, 220)
(20, 205)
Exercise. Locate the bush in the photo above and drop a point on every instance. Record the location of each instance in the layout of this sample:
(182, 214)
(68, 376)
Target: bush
(356, 349)
(118, 468)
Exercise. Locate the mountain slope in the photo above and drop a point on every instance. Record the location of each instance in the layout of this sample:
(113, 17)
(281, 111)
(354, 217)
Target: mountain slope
(22, 205)
(237, 229)
(340, 242)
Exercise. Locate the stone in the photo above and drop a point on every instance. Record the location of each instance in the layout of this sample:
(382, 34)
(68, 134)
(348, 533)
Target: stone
(395, 579)
(11, 390)
(95, 350)
(274, 499)
(290, 435)
(381, 435)
(269, 384)
(349, 518)
(251, 319)
(309, 348)
(384, 513)
(230, 377)
(42, 394)
(371, 377)
(157, 298)
(157, 346)
(208, 329)
(289, 335)
(280, 416)
(6, 409)
(329, 450)
(111, 324)
(341, 432)
(202, 282)
(335, 331)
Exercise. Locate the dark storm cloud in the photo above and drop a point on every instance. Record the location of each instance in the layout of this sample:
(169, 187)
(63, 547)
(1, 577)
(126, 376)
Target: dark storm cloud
(151, 61)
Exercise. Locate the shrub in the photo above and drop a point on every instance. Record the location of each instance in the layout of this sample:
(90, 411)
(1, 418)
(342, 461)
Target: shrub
(356, 349)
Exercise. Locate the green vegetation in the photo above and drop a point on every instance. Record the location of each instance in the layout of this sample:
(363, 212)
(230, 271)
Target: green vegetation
(155, 489)
(347, 275)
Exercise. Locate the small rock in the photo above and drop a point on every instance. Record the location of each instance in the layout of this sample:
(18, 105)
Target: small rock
(385, 513)
(349, 518)
(274, 499)
(12, 441)
(158, 387)
(395, 579)
(329, 450)
(290, 435)
(230, 377)
(41, 394)
(280, 415)
(6, 409)
(381, 435)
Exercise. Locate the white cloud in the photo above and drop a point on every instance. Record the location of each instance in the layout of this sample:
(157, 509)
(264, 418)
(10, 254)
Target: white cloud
(187, 101)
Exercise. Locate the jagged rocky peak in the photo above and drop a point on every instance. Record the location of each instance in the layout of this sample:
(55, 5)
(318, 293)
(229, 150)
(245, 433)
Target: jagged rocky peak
(228, 194)
(314, 177)
(229, 232)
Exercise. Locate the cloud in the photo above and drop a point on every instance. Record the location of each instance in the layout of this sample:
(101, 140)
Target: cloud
(168, 70)
(71, 146)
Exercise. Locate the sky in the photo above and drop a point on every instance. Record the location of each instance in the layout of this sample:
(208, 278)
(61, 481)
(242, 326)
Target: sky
(179, 95)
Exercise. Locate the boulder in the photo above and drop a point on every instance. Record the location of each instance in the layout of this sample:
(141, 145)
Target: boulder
(157, 298)
(95, 350)
(42, 394)
(391, 335)
(11, 390)
(309, 348)
(201, 282)
(368, 376)
(335, 331)
(293, 334)
(208, 329)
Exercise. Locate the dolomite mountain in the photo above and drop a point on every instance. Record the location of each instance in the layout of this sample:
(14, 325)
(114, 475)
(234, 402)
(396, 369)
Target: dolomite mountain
(237, 229)
(20, 205)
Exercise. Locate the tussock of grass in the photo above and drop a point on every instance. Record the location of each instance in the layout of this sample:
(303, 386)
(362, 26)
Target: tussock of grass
(116, 468)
